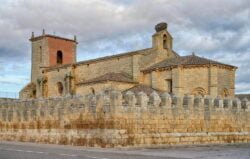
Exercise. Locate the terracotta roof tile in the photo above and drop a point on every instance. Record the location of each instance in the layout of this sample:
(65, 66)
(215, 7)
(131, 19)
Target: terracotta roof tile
(143, 88)
(184, 60)
(118, 77)
(115, 56)
(30, 85)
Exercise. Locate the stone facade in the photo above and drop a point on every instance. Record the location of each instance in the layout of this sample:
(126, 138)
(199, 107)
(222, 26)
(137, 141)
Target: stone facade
(55, 71)
(113, 119)
(142, 98)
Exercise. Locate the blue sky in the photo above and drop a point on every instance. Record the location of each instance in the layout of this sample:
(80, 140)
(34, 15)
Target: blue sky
(217, 29)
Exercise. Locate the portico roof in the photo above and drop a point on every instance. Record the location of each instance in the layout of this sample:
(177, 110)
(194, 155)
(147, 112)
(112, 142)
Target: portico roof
(189, 60)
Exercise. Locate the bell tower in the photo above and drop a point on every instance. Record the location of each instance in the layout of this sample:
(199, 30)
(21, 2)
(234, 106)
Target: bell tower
(162, 41)
(50, 50)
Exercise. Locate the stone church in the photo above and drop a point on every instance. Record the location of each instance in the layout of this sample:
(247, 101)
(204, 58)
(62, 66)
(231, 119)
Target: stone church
(55, 71)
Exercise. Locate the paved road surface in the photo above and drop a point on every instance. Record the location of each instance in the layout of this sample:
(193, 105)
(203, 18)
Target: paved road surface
(17, 150)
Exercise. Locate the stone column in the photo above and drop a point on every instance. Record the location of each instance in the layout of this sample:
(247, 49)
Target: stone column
(154, 79)
(232, 83)
(213, 81)
(68, 83)
(177, 74)
(1, 112)
(38, 91)
(136, 69)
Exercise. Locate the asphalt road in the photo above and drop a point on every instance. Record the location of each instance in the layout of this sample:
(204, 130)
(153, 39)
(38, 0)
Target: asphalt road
(17, 150)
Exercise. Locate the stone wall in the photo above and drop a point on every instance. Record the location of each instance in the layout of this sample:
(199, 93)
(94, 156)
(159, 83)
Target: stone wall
(206, 80)
(226, 81)
(115, 120)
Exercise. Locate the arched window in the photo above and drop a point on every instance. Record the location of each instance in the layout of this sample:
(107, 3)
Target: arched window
(60, 88)
(165, 45)
(59, 58)
(199, 91)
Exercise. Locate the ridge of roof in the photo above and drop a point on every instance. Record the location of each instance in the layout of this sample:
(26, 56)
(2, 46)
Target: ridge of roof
(112, 56)
(184, 60)
(143, 88)
(117, 77)
(30, 85)
(176, 54)
(52, 36)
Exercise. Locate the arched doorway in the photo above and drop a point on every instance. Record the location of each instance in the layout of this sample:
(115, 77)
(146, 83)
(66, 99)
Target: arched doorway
(60, 88)
(59, 57)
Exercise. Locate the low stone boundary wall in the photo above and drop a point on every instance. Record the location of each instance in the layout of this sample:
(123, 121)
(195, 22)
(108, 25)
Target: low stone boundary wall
(116, 120)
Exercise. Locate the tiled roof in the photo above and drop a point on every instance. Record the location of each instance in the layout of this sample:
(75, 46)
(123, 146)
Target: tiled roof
(114, 56)
(142, 51)
(103, 58)
(51, 36)
(242, 96)
(184, 60)
(118, 77)
(142, 88)
(29, 86)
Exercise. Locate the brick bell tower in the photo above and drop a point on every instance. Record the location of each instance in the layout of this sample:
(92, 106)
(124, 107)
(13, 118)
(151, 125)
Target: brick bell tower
(50, 50)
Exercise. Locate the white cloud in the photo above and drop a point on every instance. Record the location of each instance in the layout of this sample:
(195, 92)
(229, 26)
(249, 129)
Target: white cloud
(13, 79)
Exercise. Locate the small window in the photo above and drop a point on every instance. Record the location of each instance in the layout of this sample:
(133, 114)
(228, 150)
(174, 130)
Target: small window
(165, 45)
(93, 91)
(60, 88)
(34, 93)
(59, 57)
(169, 85)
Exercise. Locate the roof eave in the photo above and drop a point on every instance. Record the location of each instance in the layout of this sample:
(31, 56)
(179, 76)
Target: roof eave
(103, 81)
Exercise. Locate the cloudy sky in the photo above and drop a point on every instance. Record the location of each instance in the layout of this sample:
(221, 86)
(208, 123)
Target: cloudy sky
(217, 29)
